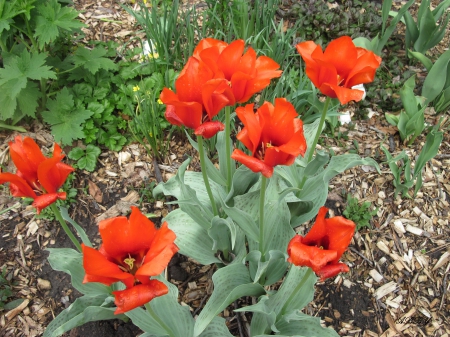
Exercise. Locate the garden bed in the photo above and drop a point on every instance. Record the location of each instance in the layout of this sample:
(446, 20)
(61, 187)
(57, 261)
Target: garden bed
(398, 279)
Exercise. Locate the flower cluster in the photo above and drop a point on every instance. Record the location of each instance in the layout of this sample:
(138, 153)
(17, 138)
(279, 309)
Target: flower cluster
(132, 251)
(37, 176)
(217, 75)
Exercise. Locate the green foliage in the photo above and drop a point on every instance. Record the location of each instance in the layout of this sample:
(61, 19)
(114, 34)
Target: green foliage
(378, 43)
(86, 158)
(404, 177)
(148, 121)
(425, 33)
(318, 22)
(28, 30)
(360, 214)
(5, 288)
(65, 118)
(411, 121)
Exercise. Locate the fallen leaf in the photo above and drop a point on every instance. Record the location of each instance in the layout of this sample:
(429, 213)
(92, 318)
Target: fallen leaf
(95, 192)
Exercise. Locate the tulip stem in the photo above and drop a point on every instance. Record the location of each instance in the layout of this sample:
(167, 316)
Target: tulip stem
(201, 151)
(262, 198)
(163, 325)
(316, 137)
(298, 288)
(63, 223)
(228, 146)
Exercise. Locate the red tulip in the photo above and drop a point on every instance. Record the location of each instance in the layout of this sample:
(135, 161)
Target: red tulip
(323, 246)
(342, 66)
(37, 176)
(274, 136)
(198, 98)
(132, 251)
(246, 73)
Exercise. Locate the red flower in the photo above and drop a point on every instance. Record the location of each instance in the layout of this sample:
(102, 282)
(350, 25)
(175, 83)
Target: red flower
(37, 176)
(274, 136)
(132, 251)
(323, 246)
(342, 66)
(199, 98)
(246, 73)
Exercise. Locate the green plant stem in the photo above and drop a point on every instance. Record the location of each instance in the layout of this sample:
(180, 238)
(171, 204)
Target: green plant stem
(3, 46)
(228, 146)
(30, 34)
(163, 325)
(201, 151)
(262, 198)
(298, 288)
(63, 223)
(316, 137)
(12, 127)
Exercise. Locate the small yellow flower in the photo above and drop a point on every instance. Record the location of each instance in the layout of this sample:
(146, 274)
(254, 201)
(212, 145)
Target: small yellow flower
(136, 88)
(159, 101)
(145, 1)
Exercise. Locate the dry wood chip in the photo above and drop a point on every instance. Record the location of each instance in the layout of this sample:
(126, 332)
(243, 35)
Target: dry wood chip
(417, 231)
(388, 288)
(13, 312)
(442, 260)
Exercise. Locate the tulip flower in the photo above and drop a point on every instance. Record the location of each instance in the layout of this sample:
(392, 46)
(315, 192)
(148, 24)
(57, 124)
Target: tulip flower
(37, 176)
(246, 73)
(339, 68)
(198, 98)
(132, 251)
(274, 136)
(323, 246)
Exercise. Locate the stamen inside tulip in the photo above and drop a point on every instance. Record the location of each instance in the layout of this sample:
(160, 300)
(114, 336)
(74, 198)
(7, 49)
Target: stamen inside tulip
(129, 262)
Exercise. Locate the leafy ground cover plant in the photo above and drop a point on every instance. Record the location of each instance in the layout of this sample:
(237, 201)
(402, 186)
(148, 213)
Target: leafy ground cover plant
(360, 214)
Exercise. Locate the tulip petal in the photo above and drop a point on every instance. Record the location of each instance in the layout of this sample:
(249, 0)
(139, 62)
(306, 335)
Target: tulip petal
(209, 129)
(138, 295)
(230, 58)
(99, 269)
(342, 54)
(332, 270)
(252, 163)
(18, 186)
(27, 156)
(346, 95)
(309, 256)
(340, 232)
(250, 136)
(122, 237)
(216, 94)
(47, 199)
(161, 251)
(52, 173)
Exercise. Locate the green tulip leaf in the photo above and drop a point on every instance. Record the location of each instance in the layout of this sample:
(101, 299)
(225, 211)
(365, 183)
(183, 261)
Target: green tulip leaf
(84, 309)
(192, 239)
(175, 316)
(216, 328)
(230, 283)
(71, 262)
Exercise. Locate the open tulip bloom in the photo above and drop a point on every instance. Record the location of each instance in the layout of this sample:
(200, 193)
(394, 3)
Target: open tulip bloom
(339, 68)
(37, 176)
(323, 246)
(132, 251)
(274, 136)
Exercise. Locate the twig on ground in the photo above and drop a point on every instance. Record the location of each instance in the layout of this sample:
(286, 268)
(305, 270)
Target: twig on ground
(238, 319)
(362, 255)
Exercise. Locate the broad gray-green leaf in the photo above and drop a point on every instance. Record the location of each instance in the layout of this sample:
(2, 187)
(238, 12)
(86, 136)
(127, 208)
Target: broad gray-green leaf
(216, 328)
(243, 220)
(71, 262)
(243, 179)
(272, 269)
(84, 309)
(277, 304)
(192, 239)
(223, 234)
(175, 316)
(315, 191)
(230, 283)
(302, 325)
